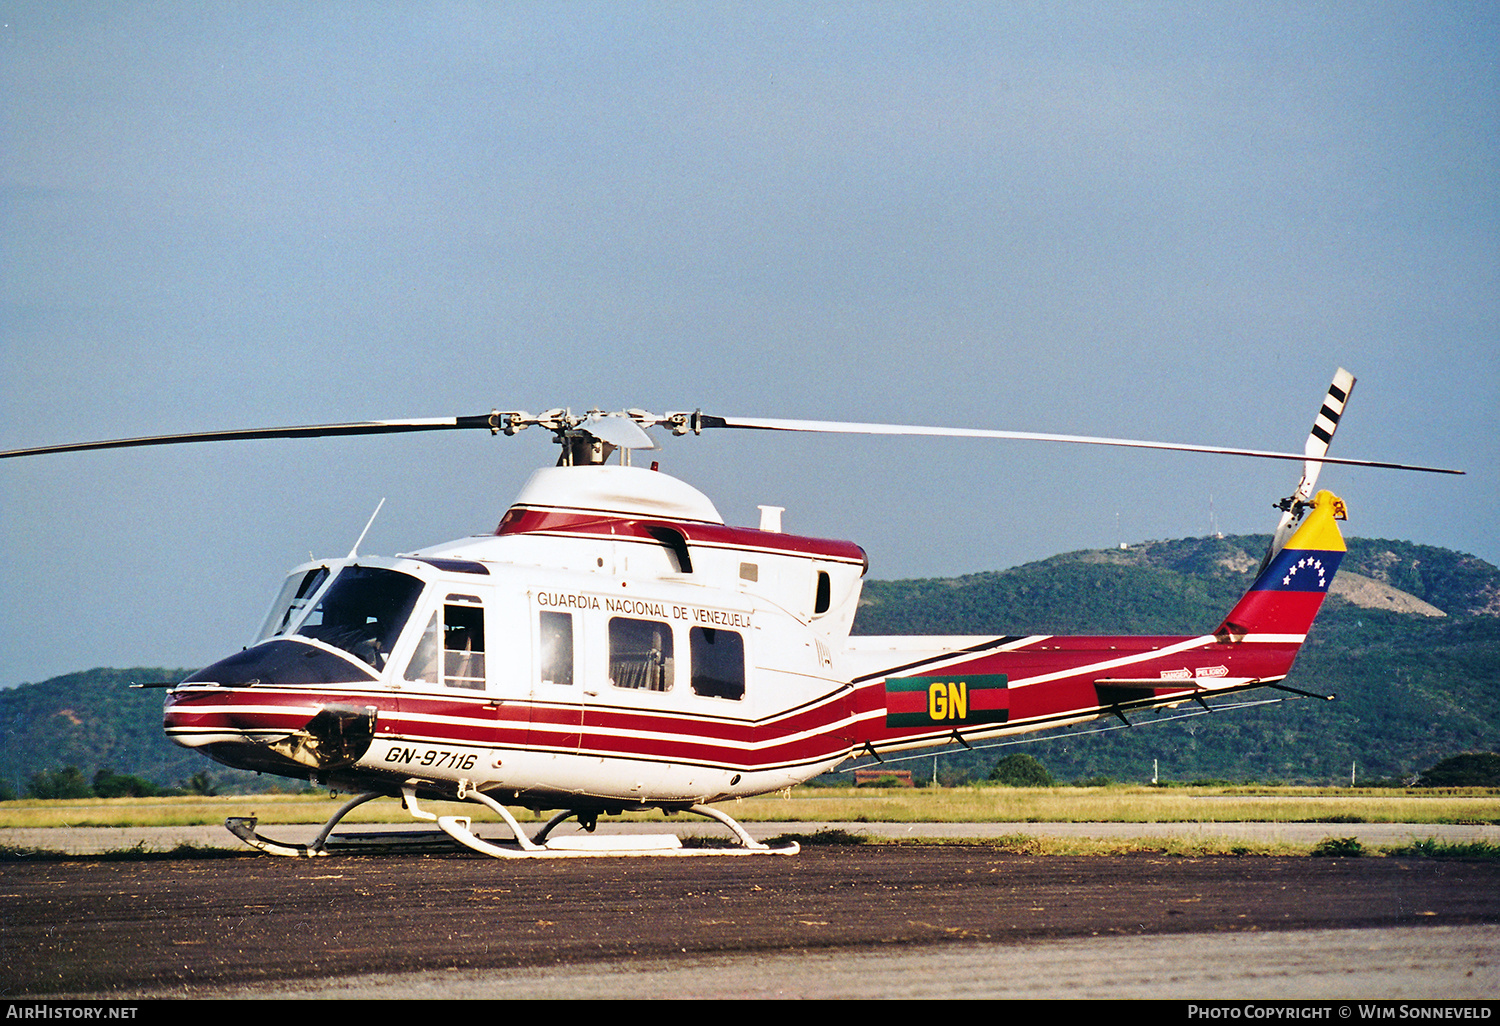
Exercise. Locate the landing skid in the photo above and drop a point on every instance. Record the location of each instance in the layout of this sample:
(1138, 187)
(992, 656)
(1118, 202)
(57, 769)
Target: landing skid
(456, 830)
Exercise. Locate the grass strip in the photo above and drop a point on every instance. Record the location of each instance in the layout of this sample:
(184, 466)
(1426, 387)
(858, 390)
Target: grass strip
(1113, 804)
(1011, 844)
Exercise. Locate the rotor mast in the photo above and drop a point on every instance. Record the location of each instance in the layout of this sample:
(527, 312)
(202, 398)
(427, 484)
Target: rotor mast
(588, 440)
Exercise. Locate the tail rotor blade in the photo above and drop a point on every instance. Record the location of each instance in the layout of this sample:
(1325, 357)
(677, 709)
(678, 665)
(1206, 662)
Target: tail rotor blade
(1324, 425)
(1316, 449)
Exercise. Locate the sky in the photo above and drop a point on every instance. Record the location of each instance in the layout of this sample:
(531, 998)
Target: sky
(1150, 220)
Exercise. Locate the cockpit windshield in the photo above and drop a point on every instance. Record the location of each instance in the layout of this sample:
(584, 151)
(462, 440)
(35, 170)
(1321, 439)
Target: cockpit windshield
(363, 611)
(298, 590)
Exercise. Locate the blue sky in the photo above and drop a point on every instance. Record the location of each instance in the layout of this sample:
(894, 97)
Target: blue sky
(1167, 221)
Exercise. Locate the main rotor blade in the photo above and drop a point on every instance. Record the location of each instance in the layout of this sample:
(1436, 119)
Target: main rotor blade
(488, 421)
(850, 428)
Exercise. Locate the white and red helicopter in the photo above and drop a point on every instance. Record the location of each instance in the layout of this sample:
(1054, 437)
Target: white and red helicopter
(613, 645)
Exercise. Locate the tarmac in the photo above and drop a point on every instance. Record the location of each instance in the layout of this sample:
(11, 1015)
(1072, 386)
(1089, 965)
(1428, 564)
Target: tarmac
(836, 921)
(103, 840)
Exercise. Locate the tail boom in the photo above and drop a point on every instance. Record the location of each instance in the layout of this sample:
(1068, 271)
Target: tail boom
(917, 692)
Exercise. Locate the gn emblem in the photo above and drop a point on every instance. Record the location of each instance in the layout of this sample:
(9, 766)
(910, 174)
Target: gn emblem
(962, 700)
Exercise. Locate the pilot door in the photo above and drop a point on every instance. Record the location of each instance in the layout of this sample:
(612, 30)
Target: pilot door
(451, 652)
(463, 683)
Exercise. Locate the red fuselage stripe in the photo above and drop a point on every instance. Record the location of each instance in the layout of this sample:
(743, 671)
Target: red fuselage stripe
(521, 520)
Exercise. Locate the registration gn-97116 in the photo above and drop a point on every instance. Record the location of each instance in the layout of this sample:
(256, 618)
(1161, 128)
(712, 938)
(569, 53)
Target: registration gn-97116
(430, 758)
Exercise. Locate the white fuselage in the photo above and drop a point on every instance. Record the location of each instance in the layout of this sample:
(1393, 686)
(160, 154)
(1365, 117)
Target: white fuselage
(612, 641)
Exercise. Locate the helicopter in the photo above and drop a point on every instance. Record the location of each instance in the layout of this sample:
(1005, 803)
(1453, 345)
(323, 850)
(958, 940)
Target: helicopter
(613, 645)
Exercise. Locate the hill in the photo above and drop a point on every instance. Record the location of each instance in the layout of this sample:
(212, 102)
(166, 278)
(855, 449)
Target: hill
(1409, 640)
(95, 721)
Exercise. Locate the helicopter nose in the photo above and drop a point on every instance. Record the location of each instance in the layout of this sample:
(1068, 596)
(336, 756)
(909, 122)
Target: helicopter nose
(194, 718)
(258, 696)
(282, 663)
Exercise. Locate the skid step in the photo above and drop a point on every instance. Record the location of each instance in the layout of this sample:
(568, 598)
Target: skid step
(587, 846)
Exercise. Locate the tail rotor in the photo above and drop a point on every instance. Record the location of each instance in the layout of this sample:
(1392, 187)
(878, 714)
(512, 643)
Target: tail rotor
(1324, 425)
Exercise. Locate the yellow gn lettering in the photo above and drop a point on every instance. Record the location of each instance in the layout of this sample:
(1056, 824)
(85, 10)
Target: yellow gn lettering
(948, 701)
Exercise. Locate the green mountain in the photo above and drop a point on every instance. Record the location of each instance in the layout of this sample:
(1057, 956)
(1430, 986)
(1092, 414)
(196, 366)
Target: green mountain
(1409, 641)
(95, 721)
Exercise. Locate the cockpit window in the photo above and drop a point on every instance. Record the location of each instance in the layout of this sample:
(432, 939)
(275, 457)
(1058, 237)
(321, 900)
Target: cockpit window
(363, 611)
(291, 600)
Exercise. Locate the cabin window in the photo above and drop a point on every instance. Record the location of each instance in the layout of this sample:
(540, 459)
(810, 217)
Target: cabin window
(718, 662)
(423, 668)
(824, 597)
(557, 648)
(463, 647)
(640, 654)
(292, 599)
(363, 611)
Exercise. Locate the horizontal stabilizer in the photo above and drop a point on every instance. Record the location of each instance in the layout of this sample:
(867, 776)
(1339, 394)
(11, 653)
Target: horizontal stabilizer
(1150, 683)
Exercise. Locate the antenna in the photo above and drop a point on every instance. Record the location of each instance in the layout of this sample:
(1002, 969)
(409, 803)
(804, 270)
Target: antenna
(354, 551)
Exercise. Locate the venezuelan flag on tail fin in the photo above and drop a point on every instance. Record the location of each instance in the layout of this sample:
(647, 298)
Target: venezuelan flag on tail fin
(1290, 588)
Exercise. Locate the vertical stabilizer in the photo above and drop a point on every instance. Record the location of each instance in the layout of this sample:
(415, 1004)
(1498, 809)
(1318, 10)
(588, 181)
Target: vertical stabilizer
(1290, 588)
